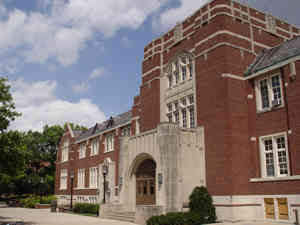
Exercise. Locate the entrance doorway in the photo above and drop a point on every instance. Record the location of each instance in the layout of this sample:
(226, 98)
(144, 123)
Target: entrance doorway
(145, 183)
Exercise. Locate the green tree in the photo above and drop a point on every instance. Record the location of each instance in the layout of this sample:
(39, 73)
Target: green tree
(12, 159)
(7, 107)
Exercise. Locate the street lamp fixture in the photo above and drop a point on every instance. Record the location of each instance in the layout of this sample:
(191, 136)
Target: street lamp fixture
(72, 180)
(104, 172)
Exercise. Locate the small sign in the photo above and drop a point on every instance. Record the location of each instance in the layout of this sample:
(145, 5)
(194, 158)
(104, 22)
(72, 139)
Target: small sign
(160, 179)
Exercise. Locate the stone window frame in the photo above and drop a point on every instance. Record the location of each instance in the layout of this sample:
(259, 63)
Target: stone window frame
(274, 151)
(81, 178)
(175, 75)
(63, 179)
(82, 150)
(95, 146)
(109, 142)
(270, 93)
(93, 177)
(126, 131)
(65, 151)
(177, 107)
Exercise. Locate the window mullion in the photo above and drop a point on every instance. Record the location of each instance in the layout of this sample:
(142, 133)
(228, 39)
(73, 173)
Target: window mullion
(276, 159)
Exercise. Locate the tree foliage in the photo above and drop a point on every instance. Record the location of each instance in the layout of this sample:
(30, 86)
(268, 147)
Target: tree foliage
(7, 107)
(201, 203)
(27, 159)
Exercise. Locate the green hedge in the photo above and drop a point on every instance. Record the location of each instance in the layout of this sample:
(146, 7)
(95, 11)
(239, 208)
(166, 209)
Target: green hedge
(48, 199)
(86, 208)
(177, 218)
(30, 202)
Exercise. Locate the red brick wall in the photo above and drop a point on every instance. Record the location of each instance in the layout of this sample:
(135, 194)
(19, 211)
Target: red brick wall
(276, 121)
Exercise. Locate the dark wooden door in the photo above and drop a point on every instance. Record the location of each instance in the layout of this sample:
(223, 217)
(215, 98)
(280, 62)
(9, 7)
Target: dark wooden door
(145, 183)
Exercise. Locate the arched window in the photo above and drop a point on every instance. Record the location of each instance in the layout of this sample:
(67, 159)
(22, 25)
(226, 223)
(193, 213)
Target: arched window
(180, 69)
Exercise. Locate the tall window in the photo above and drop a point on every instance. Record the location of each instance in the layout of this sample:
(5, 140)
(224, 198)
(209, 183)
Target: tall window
(274, 152)
(65, 151)
(180, 70)
(93, 177)
(82, 150)
(95, 146)
(182, 112)
(109, 145)
(63, 179)
(269, 93)
(81, 178)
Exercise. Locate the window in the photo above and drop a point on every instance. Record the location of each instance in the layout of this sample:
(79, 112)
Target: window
(269, 94)
(126, 131)
(93, 177)
(182, 112)
(65, 151)
(95, 146)
(63, 179)
(180, 70)
(81, 177)
(109, 143)
(274, 153)
(82, 150)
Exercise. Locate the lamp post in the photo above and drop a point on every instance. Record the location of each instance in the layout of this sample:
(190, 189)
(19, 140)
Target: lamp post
(72, 179)
(104, 172)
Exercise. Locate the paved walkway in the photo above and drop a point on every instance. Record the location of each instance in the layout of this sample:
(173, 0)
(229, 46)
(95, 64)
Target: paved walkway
(45, 217)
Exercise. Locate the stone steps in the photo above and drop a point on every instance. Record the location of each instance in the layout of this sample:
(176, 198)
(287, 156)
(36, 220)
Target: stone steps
(121, 216)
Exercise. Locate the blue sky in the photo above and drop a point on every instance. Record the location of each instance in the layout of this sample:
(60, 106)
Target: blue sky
(80, 60)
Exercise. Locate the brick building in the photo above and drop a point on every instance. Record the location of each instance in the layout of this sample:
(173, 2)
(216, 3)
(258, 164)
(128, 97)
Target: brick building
(218, 106)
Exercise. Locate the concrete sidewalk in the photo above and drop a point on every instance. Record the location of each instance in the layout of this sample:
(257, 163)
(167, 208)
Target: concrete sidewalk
(45, 217)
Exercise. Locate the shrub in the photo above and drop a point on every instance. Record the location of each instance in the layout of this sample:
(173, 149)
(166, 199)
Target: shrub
(30, 202)
(86, 208)
(48, 199)
(201, 203)
(173, 218)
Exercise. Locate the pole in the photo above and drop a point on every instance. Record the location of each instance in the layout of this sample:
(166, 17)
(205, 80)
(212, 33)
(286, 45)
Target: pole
(72, 193)
(104, 188)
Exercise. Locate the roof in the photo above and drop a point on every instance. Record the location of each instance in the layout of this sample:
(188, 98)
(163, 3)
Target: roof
(275, 55)
(111, 123)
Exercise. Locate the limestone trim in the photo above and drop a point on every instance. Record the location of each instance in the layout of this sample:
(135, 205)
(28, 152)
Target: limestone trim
(150, 71)
(235, 205)
(272, 179)
(232, 76)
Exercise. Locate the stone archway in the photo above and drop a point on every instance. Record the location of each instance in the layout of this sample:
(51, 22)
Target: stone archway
(145, 183)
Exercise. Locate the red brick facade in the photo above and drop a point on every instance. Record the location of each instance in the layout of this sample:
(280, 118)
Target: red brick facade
(224, 37)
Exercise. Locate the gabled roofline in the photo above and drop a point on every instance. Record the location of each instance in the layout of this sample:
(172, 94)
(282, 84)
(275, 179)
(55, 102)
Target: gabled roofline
(102, 132)
(275, 65)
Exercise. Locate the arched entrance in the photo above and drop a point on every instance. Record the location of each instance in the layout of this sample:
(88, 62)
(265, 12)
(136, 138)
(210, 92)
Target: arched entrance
(145, 183)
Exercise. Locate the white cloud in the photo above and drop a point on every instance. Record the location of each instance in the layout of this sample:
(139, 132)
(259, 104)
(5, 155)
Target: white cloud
(65, 30)
(40, 106)
(81, 87)
(98, 72)
(171, 16)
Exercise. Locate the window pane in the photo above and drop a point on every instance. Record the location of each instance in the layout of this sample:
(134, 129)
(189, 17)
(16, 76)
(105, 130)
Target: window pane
(176, 115)
(183, 71)
(184, 121)
(276, 88)
(282, 156)
(264, 94)
(192, 117)
(170, 81)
